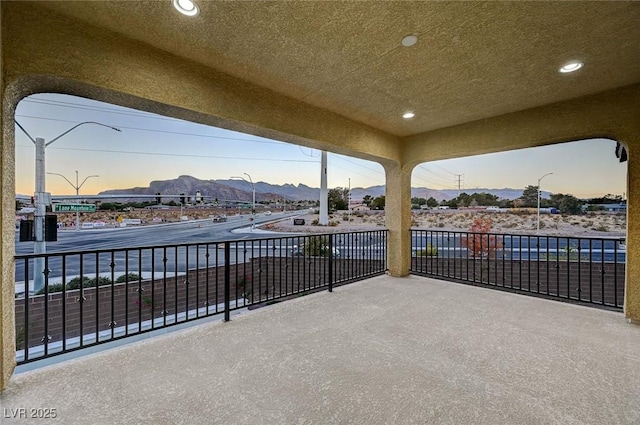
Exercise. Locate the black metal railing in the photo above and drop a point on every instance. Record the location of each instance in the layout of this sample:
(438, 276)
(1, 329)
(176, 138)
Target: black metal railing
(584, 270)
(92, 297)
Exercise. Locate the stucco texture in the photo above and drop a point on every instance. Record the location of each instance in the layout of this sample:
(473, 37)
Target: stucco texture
(77, 56)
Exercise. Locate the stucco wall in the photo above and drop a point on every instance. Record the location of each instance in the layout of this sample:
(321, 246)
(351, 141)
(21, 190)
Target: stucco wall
(75, 58)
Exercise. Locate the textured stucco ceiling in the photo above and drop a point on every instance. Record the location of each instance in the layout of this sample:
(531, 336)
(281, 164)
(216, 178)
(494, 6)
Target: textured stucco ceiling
(473, 60)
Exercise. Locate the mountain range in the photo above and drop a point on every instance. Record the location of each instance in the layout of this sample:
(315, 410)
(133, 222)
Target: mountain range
(242, 190)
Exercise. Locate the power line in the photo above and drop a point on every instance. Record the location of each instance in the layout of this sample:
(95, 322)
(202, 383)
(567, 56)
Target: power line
(173, 154)
(423, 167)
(166, 131)
(443, 169)
(343, 158)
(92, 108)
(441, 181)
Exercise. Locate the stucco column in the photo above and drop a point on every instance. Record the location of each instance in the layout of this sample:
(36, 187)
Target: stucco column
(398, 218)
(632, 279)
(7, 217)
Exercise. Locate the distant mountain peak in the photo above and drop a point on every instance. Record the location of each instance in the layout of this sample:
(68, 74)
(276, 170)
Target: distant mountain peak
(240, 190)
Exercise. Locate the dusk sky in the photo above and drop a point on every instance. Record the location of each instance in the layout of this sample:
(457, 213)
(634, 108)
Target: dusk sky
(152, 147)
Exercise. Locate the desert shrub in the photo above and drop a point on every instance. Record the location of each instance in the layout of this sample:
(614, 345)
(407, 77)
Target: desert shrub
(315, 222)
(480, 243)
(345, 217)
(601, 229)
(317, 246)
(333, 223)
(429, 251)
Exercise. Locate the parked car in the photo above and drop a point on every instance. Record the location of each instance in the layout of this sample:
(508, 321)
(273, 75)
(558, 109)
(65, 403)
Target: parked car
(219, 218)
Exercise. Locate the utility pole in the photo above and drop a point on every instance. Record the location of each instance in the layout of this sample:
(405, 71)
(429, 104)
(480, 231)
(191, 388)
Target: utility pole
(459, 182)
(253, 210)
(324, 193)
(349, 201)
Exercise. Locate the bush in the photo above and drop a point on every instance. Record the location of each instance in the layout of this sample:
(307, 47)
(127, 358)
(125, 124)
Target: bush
(430, 251)
(317, 246)
(84, 281)
(56, 287)
(131, 277)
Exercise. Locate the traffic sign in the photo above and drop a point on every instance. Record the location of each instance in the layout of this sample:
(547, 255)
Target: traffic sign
(74, 208)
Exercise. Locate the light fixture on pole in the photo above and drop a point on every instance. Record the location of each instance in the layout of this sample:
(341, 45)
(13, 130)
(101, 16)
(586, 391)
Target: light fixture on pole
(77, 188)
(42, 198)
(539, 192)
(253, 187)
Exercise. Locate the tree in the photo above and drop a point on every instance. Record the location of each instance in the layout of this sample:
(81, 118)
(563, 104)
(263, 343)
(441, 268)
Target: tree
(367, 200)
(418, 201)
(378, 203)
(566, 204)
(607, 199)
(431, 202)
(339, 198)
(529, 196)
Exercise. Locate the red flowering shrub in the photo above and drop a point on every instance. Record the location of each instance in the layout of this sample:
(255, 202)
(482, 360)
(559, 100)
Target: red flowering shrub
(479, 242)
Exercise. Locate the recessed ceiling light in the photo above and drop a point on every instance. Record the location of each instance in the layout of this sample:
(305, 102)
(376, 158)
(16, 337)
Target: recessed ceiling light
(409, 40)
(408, 115)
(186, 7)
(570, 67)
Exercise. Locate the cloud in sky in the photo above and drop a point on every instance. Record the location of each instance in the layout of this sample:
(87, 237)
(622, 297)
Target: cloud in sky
(152, 147)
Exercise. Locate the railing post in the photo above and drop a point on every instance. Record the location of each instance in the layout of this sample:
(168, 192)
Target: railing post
(330, 263)
(227, 280)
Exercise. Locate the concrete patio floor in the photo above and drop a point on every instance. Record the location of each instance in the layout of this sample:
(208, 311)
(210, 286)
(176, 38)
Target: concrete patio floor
(381, 351)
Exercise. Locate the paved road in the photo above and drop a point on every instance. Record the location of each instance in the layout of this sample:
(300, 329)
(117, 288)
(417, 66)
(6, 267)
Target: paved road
(202, 251)
(173, 233)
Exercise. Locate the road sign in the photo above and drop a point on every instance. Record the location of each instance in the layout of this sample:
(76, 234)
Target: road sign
(74, 208)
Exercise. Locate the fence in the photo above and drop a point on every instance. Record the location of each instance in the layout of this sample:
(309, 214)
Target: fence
(92, 297)
(584, 270)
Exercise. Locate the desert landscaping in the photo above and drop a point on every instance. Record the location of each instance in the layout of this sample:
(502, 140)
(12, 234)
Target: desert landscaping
(600, 224)
(590, 224)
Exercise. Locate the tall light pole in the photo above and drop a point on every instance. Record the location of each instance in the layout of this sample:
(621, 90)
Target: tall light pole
(349, 201)
(77, 188)
(539, 192)
(253, 209)
(43, 198)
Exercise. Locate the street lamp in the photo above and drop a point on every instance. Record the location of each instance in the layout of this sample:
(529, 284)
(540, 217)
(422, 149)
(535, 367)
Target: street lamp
(77, 188)
(43, 198)
(253, 209)
(539, 192)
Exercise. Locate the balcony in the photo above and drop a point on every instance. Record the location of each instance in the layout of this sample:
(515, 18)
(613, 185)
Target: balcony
(381, 350)
(361, 347)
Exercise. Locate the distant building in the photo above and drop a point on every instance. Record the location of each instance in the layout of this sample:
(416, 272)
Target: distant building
(614, 208)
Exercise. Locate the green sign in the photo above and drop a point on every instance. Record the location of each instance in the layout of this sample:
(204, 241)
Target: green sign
(74, 208)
